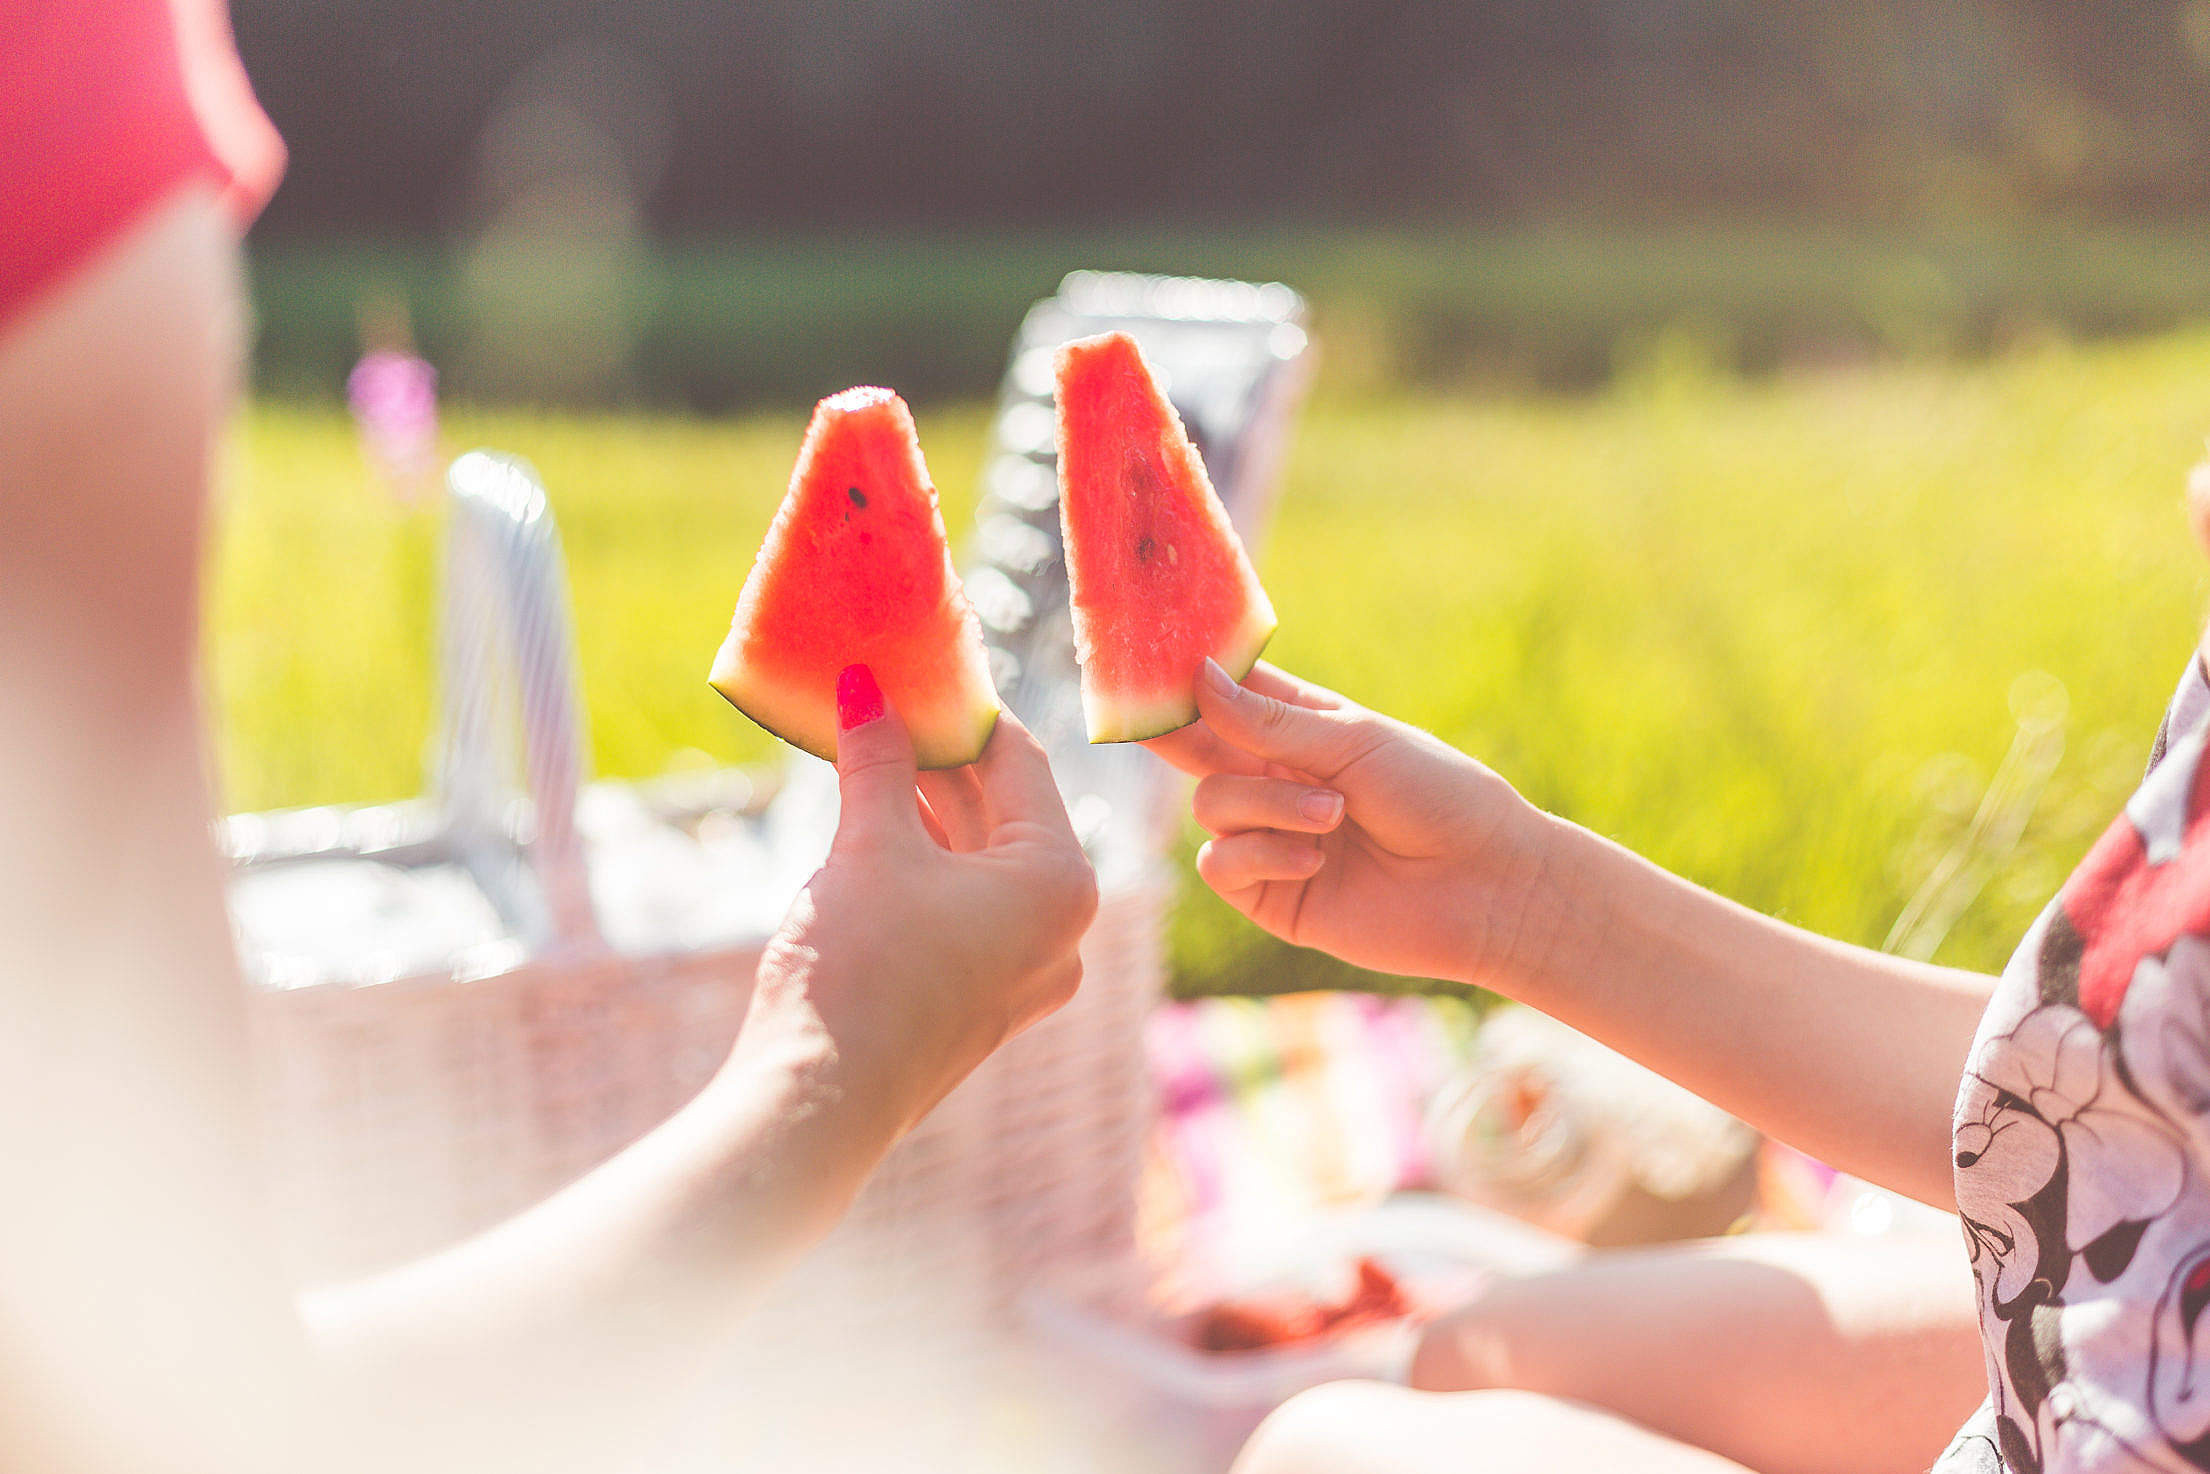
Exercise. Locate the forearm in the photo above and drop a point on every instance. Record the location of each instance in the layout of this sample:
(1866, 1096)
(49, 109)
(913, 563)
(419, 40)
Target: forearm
(561, 1338)
(1845, 1053)
(1739, 1345)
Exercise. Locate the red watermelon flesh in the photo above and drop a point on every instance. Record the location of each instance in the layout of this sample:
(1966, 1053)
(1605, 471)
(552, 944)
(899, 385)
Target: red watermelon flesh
(856, 570)
(1159, 579)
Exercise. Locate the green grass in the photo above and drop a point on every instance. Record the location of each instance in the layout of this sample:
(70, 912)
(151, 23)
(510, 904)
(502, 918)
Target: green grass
(1765, 633)
(746, 321)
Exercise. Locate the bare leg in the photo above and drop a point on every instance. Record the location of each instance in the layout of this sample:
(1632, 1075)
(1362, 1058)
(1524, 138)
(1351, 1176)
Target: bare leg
(1372, 1428)
(1760, 1348)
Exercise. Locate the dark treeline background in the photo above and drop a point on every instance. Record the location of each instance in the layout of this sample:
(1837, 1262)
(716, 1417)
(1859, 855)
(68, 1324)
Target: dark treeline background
(777, 113)
(714, 203)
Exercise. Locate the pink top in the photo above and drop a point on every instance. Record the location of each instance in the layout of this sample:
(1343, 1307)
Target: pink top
(107, 107)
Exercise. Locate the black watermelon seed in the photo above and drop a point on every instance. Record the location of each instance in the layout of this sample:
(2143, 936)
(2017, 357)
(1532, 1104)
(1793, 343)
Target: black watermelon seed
(859, 498)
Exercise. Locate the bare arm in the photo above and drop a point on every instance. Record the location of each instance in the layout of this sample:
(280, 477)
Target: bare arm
(553, 1340)
(143, 1323)
(589, 1315)
(1410, 857)
(1782, 1353)
(1846, 1053)
(1742, 1346)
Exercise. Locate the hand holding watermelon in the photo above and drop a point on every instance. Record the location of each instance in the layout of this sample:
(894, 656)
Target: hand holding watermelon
(940, 925)
(1339, 828)
(946, 918)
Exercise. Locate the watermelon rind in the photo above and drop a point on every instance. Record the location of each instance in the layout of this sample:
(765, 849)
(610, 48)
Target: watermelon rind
(808, 610)
(807, 719)
(787, 720)
(1140, 637)
(1139, 719)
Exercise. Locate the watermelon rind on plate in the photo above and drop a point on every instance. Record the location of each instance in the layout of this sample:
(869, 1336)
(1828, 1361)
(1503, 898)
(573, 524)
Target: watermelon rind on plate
(1158, 578)
(856, 570)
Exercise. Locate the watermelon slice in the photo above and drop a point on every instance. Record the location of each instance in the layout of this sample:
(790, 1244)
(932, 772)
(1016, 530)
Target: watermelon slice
(1159, 579)
(855, 570)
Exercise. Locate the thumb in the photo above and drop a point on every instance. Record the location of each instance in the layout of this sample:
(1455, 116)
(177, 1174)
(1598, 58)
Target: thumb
(1321, 743)
(874, 760)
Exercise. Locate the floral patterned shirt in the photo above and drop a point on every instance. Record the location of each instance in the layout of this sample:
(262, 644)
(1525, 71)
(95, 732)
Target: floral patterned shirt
(2083, 1149)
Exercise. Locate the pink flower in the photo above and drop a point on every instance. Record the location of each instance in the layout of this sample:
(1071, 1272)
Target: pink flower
(394, 402)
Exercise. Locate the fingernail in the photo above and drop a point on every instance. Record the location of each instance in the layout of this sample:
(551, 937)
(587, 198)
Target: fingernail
(1321, 806)
(1216, 676)
(858, 698)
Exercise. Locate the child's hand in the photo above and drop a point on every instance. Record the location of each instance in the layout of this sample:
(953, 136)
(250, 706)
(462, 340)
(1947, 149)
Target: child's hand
(939, 927)
(1338, 828)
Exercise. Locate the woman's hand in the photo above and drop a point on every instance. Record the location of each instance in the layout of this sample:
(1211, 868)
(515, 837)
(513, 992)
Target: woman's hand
(1338, 828)
(943, 923)
(1435, 867)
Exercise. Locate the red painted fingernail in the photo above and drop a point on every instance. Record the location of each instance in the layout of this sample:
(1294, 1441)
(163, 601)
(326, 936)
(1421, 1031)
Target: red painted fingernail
(858, 698)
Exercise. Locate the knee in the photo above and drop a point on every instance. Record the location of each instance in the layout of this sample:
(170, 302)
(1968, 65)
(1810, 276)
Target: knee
(1475, 1347)
(1374, 1428)
(1442, 1361)
(1318, 1431)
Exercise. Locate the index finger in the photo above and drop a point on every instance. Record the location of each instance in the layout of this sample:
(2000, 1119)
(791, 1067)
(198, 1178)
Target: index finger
(1017, 785)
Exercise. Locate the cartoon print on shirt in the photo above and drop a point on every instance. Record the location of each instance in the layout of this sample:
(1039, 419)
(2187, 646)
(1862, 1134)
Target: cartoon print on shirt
(2118, 1165)
(2179, 1359)
(2132, 897)
(2013, 1232)
(2167, 1034)
(2086, 1102)
(2060, 1170)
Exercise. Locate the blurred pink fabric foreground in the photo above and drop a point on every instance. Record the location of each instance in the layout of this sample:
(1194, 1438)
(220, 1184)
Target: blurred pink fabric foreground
(108, 106)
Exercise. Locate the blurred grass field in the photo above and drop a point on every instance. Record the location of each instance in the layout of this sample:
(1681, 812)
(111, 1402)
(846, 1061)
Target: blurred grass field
(1765, 632)
(710, 324)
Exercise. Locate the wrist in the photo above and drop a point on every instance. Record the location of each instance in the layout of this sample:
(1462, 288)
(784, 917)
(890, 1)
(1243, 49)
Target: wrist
(813, 1064)
(1592, 919)
(1521, 914)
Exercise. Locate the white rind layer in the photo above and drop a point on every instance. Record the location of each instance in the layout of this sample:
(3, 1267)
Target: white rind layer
(806, 719)
(1139, 716)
